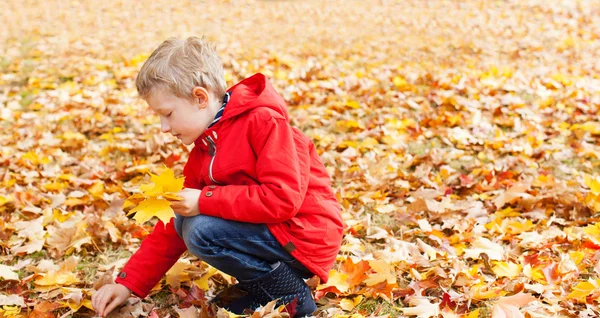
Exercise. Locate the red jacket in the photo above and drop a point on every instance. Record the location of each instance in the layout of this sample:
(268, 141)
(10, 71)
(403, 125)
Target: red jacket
(262, 171)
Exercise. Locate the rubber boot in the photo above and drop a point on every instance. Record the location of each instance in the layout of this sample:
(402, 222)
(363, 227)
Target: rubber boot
(282, 284)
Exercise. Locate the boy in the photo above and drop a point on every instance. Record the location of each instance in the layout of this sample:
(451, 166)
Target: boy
(257, 203)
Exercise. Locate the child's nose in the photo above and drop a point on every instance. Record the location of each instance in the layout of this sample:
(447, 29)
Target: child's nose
(164, 125)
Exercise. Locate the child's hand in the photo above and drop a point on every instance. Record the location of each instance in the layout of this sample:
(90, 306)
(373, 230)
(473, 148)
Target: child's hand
(188, 205)
(109, 297)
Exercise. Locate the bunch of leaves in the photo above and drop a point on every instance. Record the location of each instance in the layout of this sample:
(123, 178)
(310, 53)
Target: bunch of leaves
(153, 201)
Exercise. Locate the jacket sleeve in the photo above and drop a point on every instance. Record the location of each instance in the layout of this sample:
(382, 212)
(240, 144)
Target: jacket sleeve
(158, 252)
(282, 169)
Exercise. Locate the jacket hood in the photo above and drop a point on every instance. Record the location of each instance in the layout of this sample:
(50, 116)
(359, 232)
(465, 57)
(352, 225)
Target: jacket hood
(254, 91)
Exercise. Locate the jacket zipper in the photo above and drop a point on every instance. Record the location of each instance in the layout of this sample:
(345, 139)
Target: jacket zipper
(213, 154)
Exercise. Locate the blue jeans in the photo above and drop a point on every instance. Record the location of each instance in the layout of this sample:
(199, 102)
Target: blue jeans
(242, 250)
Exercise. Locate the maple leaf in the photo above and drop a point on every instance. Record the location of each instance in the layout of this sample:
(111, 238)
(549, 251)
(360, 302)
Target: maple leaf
(337, 283)
(162, 184)
(384, 272)
(357, 273)
(177, 274)
(382, 289)
(154, 197)
(153, 207)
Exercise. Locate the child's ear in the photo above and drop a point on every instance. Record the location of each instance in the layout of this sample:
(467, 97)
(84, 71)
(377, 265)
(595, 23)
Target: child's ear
(200, 96)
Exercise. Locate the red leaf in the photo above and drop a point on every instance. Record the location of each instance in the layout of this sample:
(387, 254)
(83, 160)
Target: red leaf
(446, 302)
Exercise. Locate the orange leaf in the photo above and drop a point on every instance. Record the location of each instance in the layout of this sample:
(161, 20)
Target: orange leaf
(357, 273)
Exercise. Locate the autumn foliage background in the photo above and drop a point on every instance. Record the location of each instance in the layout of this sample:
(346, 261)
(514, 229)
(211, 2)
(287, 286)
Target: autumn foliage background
(461, 137)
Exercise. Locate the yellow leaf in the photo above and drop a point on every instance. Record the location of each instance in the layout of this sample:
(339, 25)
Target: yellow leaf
(504, 269)
(70, 202)
(337, 280)
(518, 227)
(202, 282)
(481, 292)
(459, 248)
(177, 274)
(349, 304)
(150, 207)
(97, 190)
(74, 306)
(10, 311)
(399, 82)
(344, 125)
(138, 59)
(167, 181)
(69, 135)
(369, 143)
(508, 212)
(582, 290)
(57, 278)
(577, 256)
(172, 196)
(55, 186)
(352, 104)
(593, 230)
(535, 273)
(61, 216)
(590, 126)
(474, 314)
(593, 183)
(151, 189)
(162, 184)
(384, 271)
(593, 201)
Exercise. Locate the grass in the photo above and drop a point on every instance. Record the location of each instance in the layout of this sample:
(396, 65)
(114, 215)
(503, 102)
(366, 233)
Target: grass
(377, 307)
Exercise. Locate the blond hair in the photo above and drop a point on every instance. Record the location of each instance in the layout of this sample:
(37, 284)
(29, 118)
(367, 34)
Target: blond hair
(177, 66)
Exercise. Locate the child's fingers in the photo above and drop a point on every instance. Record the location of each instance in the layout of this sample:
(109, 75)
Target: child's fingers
(95, 302)
(113, 304)
(177, 207)
(176, 204)
(101, 302)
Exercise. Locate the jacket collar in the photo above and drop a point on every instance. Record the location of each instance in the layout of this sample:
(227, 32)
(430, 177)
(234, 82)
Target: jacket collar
(203, 141)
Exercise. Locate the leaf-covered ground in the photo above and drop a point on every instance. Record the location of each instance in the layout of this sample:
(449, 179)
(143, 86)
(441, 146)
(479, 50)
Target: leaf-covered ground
(461, 137)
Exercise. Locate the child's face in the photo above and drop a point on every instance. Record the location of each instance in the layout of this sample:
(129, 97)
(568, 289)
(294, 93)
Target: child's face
(183, 118)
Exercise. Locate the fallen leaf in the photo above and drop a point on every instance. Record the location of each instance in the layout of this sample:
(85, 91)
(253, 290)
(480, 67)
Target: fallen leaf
(7, 273)
(421, 307)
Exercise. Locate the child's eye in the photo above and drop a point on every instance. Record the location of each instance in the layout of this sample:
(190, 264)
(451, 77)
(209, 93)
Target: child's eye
(169, 114)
